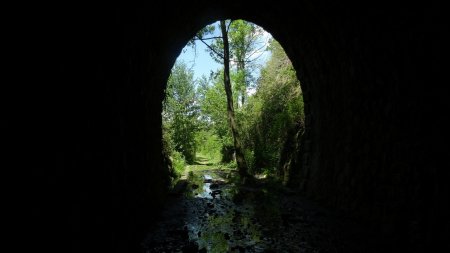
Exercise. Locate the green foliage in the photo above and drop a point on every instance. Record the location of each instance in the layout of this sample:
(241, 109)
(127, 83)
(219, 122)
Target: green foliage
(195, 118)
(213, 107)
(231, 164)
(264, 119)
(244, 44)
(178, 162)
(215, 116)
(276, 107)
(181, 111)
(209, 144)
(243, 39)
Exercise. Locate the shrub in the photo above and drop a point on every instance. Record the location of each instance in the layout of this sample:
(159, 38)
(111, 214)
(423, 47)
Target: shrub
(178, 162)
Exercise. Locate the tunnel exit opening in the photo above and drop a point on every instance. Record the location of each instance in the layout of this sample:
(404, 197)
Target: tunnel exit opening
(222, 140)
(253, 126)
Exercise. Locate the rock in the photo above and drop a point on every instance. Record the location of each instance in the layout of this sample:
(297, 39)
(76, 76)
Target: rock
(215, 192)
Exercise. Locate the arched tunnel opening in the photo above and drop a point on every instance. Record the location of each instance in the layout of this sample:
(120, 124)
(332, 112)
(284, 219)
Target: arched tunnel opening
(265, 93)
(374, 110)
(216, 202)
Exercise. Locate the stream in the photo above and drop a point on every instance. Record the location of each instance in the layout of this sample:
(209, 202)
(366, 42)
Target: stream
(215, 214)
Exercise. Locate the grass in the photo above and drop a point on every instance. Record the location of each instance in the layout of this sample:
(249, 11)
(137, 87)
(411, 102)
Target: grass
(203, 162)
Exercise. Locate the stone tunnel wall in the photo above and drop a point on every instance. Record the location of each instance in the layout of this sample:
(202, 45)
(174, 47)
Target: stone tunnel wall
(93, 128)
(369, 120)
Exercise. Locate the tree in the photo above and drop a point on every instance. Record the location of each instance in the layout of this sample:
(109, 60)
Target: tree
(181, 111)
(214, 113)
(275, 111)
(238, 44)
(240, 159)
(245, 47)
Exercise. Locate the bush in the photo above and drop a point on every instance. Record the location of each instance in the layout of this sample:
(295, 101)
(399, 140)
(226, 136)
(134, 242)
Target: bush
(209, 144)
(178, 162)
(232, 164)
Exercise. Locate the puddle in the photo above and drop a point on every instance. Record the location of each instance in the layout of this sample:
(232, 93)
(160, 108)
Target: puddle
(206, 193)
(215, 215)
(218, 224)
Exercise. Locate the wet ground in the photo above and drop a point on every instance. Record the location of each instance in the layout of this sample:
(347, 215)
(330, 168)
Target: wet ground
(211, 212)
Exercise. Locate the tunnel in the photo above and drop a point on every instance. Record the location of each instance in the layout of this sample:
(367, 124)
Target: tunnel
(89, 120)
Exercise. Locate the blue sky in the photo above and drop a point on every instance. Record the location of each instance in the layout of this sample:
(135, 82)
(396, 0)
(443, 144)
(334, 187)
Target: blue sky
(199, 59)
(202, 62)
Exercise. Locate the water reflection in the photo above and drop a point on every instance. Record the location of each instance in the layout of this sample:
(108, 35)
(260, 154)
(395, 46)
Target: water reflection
(206, 193)
(222, 226)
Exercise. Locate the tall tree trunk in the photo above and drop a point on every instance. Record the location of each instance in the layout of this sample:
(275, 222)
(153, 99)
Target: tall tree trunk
(241, 67)
(240, 159)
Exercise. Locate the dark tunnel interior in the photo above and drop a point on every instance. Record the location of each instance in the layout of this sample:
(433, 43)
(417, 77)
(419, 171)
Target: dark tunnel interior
(86, 127)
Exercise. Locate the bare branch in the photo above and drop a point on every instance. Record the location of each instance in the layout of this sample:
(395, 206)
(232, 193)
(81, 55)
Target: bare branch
(229, 24)
(256, 58)
(212, 49)
(244, 61)
(210, 38)
(256, 51)
(195, 52)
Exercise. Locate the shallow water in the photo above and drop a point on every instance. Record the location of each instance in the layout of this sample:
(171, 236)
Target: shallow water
(216, 215)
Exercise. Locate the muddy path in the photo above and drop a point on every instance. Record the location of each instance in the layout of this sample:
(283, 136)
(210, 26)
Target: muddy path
(211, 212)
